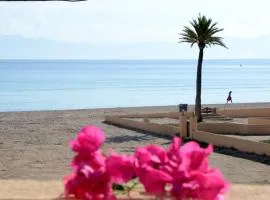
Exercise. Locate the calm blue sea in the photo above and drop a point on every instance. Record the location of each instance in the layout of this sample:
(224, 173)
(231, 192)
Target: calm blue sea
(63, 84)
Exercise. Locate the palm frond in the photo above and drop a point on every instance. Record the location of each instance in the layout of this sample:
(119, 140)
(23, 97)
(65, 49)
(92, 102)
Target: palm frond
(188, 36)
(215, 41)
(202, 30)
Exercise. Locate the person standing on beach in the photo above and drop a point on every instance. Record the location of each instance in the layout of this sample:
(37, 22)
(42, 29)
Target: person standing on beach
(229, 98)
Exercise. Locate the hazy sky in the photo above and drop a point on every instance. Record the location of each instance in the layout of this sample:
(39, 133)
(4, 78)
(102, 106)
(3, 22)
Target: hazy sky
(131, 22)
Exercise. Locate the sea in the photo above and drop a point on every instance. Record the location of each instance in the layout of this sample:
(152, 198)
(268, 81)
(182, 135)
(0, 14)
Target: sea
(32, 85)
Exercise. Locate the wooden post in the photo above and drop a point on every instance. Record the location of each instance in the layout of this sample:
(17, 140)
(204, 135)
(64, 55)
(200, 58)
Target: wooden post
(192, 125)
(183, 125)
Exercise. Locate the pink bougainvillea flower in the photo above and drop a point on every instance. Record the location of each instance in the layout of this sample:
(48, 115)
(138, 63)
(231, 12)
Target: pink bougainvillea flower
(175, 145)
(185, 168)
(96, 160)
(120, 167)
(206, 186)
(150, 163)
(194, 157)
(89, 179)
(89, 139)
(194, 179)
(174, 155)
(72, 187)
(215, 187)
(153, 180)
(87, 183)
(153, 155)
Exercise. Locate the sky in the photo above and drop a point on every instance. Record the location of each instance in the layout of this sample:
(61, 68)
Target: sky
(129, 29)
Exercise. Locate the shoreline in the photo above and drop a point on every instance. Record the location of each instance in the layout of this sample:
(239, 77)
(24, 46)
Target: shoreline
(150, 108)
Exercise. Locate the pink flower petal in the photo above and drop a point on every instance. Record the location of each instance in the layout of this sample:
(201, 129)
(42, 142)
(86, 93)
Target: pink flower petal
(206, 186)
(87, 183)
(151, 155)
(96, 160)
(195, 157)
(175, 145)
(89, 139)
(154, 181)
(120, 168)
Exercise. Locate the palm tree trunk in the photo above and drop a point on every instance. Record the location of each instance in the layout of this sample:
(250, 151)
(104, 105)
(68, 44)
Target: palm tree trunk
(199, 87)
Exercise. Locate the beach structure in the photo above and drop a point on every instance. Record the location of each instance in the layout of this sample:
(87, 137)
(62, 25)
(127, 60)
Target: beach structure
(224, 128)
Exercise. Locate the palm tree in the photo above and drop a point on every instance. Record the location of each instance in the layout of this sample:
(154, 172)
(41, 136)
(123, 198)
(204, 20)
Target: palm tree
(203, 33)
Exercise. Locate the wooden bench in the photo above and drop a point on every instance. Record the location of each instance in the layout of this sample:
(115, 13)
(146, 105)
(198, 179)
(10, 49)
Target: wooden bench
(208, 110)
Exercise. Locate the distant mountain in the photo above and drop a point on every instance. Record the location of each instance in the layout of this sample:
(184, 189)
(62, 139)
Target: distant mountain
(16, 47)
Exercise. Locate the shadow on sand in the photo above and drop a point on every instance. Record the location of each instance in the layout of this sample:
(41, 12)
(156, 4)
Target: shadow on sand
(222, 150)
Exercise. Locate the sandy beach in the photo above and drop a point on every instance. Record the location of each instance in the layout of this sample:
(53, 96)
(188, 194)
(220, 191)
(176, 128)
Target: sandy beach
(34, 145)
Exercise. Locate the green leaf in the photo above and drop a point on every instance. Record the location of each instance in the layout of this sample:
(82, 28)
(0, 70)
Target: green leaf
(118, 187)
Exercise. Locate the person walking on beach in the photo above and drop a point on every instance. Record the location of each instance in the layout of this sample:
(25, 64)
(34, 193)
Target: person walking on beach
(229, 98)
